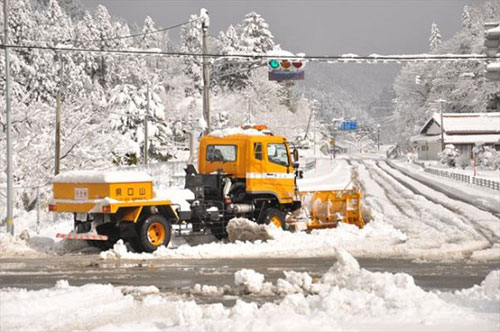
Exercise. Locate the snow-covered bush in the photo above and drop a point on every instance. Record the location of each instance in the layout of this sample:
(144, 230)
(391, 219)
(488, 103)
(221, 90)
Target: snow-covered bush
(486, 156)
(449, 155)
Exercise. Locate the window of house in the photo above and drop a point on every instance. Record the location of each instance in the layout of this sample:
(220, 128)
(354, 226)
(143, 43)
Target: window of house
(277, 153)
(257, 148)
(221, 152)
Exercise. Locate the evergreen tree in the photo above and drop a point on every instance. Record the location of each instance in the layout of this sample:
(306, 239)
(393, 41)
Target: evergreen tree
(435, 38)
(191, 43)
(255, 36)
(466, 18)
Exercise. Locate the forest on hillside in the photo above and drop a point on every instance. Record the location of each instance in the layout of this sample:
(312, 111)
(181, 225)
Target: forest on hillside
(105, 95)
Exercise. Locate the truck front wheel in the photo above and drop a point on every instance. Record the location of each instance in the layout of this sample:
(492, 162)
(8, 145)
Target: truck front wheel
(153, 232)
(274, 216)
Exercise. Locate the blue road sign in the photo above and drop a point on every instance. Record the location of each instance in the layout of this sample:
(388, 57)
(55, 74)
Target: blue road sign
(348, 125)
(286, 75)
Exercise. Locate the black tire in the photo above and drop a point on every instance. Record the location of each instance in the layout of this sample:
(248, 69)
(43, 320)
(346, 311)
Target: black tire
(273, 215)
(111, 231)
(153, 232)
(218, 230)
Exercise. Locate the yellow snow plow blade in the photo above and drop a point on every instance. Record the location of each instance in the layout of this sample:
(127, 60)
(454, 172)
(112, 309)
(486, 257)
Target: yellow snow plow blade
(328, 208)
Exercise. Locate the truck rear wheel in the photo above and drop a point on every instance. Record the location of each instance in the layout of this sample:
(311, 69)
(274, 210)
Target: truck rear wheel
(111, 231)
(153, 232)
(274, 216)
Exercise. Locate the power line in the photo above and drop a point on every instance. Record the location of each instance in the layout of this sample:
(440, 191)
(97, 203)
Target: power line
(318, 58)
(113, 38)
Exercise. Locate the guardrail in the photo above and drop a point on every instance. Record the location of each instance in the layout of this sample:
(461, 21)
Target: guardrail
(469, 179)
(309, 164)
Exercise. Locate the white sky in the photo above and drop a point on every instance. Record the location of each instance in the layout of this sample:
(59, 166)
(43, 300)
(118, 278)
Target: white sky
(314, 27)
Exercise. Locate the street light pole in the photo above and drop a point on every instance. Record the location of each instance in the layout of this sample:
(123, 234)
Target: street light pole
(205, 23)
(57, 156)
(10, 187)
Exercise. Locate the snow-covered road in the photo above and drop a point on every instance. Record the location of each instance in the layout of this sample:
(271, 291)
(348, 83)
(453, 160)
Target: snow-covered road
(437, 227)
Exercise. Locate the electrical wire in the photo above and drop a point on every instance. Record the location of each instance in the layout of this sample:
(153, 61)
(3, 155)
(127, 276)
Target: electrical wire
(114, 38)
(317, 58)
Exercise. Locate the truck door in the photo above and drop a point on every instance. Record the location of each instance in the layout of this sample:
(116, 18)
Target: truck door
(278, 174)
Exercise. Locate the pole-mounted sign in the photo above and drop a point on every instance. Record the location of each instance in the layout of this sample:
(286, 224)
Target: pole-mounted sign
(285, 70)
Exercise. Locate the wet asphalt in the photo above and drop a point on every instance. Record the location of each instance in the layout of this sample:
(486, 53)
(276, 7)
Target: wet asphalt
(177, 276)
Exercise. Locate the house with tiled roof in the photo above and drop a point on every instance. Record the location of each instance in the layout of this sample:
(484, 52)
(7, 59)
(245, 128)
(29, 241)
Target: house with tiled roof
(463, 130)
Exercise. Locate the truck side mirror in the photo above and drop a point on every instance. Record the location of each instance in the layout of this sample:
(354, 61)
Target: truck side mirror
(295, 154)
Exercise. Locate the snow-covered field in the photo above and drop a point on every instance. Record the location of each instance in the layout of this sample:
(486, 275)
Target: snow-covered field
(345, 298)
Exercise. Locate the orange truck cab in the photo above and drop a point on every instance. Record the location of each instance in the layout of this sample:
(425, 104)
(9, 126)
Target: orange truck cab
(248, 173)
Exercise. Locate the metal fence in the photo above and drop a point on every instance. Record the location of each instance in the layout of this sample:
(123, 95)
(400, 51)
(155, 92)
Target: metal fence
(469, 179)
(165, 174)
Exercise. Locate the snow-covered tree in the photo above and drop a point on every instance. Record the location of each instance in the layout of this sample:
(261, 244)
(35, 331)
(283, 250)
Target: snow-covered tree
(435, 38)
(191, 43)
(466, 18)
(255, 36)
(449, 155)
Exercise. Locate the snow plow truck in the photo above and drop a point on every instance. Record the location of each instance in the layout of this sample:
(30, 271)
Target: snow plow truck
(247, 173)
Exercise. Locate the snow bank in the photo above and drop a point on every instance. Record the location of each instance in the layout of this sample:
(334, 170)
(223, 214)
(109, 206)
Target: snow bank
(345, 298)
(377, 237)
(34, 240)
(102, 177)
(241, 229)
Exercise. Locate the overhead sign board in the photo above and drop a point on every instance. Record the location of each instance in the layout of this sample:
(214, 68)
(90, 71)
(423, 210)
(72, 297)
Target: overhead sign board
(348, 125)
(286, 75)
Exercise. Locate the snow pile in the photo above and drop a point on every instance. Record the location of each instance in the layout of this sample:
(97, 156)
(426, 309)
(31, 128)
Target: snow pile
(236, 131)
(242, 229)
(102, 177)
(251, 281)
(33, 240)
(377, 237)
(345, 298)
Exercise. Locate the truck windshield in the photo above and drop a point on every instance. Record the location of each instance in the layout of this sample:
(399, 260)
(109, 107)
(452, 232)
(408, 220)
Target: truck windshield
(221, 153)
(277, 153)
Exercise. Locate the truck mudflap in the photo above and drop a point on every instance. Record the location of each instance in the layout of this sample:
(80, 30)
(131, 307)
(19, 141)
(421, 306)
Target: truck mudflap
(82, 236)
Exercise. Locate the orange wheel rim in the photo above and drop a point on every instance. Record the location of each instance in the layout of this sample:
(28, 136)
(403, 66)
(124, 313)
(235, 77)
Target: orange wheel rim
(276, 221)
(156, 233)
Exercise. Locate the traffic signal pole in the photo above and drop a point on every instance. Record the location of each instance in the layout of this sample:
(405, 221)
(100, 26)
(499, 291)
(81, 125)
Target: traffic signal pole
(10, 187)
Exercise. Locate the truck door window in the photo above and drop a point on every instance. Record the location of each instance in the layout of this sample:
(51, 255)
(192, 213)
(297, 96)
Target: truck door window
(221, 152)
(257, 147)
(277, 153)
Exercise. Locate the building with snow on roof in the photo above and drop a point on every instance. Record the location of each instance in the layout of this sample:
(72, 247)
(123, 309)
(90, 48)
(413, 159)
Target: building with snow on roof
(463, 130)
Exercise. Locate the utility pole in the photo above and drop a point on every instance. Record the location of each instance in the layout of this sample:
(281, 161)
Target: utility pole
(205, 23)
(58, 116)
(378, 137)
(314, 133)
(10, 187)
(441, 101)
(146, 128)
